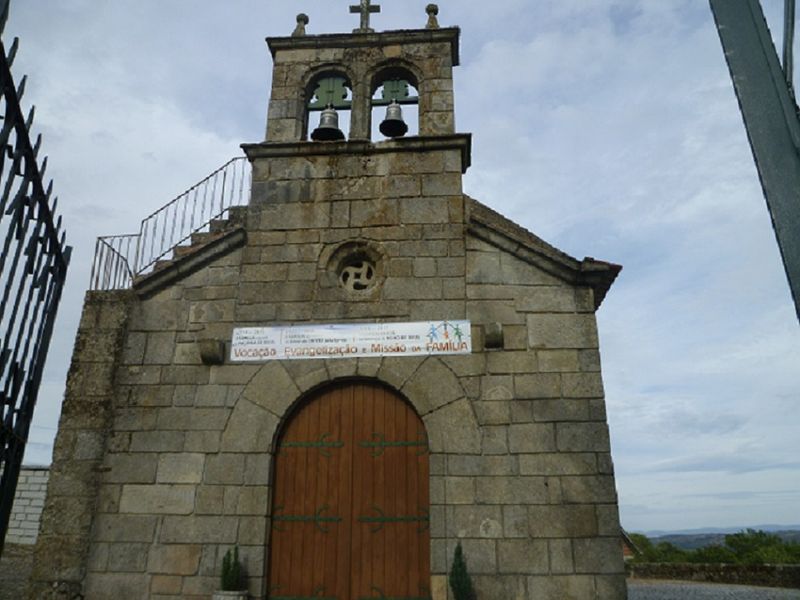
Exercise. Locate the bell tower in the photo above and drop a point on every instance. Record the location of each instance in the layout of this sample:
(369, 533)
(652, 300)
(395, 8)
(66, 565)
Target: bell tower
(358, 180)
(343, 71)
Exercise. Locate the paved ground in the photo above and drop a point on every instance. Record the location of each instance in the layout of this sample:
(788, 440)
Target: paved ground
(15, 567)
(674, 590)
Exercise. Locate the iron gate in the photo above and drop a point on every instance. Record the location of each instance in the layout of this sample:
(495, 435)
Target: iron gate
(33, 266)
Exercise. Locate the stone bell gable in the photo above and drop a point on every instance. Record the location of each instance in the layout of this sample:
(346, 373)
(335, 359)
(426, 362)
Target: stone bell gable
(424, 58)
(172, 448)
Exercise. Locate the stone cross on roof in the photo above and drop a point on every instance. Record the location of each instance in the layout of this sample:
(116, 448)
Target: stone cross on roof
(365, 8)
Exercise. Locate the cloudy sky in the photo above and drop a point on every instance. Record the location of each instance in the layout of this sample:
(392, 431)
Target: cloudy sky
(608, 127)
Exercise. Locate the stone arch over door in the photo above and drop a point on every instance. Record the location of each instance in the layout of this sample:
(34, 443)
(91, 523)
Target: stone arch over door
(351, 509)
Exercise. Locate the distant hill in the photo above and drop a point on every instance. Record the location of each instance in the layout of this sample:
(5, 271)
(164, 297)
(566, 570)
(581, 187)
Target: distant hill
(693, 539)
(653, 533)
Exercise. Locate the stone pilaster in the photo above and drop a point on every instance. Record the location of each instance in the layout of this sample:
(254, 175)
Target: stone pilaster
(62, 550)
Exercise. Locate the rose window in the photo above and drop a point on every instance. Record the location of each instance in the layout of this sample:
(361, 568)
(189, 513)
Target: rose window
(357, 275)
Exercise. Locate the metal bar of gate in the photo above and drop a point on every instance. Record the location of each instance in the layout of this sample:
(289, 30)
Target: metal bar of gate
(788, 42)
(770, 116)
(33, 267)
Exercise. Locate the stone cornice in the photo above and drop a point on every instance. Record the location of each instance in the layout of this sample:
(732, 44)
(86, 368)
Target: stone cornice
(493, 228)
(458, 141)
(449, 35)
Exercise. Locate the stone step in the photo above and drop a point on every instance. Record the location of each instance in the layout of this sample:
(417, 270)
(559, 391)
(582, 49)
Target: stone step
(181, 251)
(217, 228)
(197, 241)
(237, 214)
(218, 225)
(203, 237)
(162, 264)
(159, 265)
(234, 218)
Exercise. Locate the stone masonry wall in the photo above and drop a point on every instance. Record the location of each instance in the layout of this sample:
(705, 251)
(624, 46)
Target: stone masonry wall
(26, 513)
(539, 505)
(60, 557)
(187, 469)
(520, 463)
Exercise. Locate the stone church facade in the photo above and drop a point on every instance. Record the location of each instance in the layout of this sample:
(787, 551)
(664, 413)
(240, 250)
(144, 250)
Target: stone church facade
(169, 451)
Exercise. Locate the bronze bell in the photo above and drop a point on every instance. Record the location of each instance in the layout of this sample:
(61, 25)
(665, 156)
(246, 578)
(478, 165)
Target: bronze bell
(393, 125)
(328, 130)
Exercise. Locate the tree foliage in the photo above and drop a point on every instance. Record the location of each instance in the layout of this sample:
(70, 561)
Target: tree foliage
(460, 581)
(748, 547)
(231, 578)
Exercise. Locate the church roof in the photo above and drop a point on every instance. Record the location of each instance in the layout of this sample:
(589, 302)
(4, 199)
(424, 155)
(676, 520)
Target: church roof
(494, 228)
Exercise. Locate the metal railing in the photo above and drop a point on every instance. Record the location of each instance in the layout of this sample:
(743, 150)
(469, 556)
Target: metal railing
(192, 211)
(33, 268)
(111, 269)
(119, 259)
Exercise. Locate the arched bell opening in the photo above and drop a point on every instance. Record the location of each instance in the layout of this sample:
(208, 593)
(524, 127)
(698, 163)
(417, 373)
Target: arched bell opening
(329, 102)
(395, 104)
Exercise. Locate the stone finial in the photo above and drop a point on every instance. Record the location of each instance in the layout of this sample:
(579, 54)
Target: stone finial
(302, 21)
(432, 10)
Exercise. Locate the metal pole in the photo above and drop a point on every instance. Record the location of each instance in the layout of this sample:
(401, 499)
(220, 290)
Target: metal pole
(788, 42)
(770, 117)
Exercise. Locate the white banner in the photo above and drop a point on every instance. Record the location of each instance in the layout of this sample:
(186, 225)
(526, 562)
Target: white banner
(257, 344)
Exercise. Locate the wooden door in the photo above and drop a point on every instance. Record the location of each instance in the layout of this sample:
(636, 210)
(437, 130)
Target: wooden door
(350, 505)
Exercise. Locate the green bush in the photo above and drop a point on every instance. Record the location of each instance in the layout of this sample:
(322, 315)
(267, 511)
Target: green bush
(748, 547)
(666, 552)
(643, 544)
(714, 554)
(659, 553)
(231, 579)
(460, 581)
(759, 548)
(751, 547)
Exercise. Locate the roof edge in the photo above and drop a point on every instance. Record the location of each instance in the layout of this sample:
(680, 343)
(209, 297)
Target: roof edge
(500, 231)
(425, 143)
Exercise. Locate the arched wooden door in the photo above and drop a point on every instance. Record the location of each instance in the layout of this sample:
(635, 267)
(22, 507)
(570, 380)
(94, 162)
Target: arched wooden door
(350, 503)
